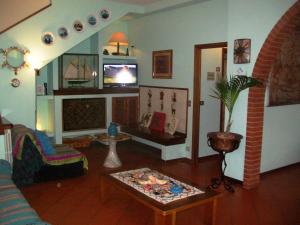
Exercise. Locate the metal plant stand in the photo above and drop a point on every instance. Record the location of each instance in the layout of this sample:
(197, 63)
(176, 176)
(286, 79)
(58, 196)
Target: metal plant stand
(223, 144)
(216, 182)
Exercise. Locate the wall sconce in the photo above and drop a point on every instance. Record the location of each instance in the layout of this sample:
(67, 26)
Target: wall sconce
(118, 39)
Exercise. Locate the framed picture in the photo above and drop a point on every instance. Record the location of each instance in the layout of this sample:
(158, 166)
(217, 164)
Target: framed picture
(162, 64)
(78, 26)
(242, 48)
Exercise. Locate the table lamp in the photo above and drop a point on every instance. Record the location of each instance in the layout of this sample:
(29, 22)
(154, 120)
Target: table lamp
(118, 39)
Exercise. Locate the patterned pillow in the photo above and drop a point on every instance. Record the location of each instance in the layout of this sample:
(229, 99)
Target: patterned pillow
(146, 119)
(45, 143)
(171, 125)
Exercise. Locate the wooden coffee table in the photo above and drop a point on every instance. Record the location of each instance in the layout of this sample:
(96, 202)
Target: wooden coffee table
(164, 214)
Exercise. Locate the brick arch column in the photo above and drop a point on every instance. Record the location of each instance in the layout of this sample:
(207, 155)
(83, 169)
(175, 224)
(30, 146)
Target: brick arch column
(254, 132)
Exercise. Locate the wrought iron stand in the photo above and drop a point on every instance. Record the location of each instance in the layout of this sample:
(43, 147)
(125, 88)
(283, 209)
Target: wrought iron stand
(216, 182)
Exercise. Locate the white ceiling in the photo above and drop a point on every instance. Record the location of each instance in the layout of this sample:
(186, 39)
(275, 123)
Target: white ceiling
(138, 2)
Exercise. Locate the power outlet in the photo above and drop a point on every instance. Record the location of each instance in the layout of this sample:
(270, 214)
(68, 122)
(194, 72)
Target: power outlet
(187, 148)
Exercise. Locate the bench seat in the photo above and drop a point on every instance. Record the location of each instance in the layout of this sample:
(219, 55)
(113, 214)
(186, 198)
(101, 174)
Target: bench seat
(171, 146)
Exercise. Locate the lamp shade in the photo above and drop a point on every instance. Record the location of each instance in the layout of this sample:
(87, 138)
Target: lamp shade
(118, 37)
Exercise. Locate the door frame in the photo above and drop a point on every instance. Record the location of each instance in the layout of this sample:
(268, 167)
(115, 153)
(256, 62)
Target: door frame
(196, 95)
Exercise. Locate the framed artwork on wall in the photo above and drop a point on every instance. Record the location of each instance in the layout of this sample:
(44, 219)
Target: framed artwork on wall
(162, 64)
(242, 49)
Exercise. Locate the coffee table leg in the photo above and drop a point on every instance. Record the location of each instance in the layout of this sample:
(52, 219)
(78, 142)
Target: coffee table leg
(112, 160)
(160, 219)
(210, 213)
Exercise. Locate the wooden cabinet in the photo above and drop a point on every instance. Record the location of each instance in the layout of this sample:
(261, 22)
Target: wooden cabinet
(125, 110)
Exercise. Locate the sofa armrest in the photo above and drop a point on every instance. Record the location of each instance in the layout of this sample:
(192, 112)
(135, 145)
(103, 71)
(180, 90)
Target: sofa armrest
(5, 167)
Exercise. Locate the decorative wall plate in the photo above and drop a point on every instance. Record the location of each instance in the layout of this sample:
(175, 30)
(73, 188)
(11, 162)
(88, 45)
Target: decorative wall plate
(15, 82)
(92, 20)
(105, 14)
(63, 32)
(78, 26)
(48, 38)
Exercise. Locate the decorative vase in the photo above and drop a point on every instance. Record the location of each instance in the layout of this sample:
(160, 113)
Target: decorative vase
(112, 129)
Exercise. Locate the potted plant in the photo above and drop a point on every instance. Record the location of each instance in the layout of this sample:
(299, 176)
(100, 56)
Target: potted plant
(227, 91)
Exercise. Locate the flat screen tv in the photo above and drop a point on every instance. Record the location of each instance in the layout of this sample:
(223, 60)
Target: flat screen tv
(119, 75)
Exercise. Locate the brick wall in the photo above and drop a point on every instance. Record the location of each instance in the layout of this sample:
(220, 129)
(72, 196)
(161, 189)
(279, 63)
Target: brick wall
(270, 49)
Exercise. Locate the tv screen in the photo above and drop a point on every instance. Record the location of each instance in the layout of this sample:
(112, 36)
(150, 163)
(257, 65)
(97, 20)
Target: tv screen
(119, 74)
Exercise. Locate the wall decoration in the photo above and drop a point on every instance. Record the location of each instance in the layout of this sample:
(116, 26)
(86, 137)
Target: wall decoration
(92, 20)
(63, 32)
(161, 97)
(162, 64)
(15, 82)
(14, 58)
(78, 26)
(242, 48)
(48, 38)
(105, 14)
(175, 106)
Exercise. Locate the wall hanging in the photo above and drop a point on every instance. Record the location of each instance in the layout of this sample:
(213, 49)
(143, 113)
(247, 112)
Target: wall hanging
(242, 48)
(78, 26)
(48, 38)
(63, 32)
(15, 82)
(92, 20)
(105, 14)
(14, 58)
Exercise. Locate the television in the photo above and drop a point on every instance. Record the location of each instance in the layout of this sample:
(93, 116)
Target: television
(119, 75)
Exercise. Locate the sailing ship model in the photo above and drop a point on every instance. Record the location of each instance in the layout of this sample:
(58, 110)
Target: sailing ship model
(77, 74)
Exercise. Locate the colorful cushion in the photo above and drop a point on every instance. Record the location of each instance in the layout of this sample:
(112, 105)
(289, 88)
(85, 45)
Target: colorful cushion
(45, 143)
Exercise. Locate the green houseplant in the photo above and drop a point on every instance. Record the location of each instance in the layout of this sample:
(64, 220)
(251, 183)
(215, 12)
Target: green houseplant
(228, 91)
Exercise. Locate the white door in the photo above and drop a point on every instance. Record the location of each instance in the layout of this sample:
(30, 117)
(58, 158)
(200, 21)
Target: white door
(211, 67)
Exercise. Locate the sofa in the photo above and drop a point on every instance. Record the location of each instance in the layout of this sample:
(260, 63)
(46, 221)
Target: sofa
(32, 161)
(14, 209)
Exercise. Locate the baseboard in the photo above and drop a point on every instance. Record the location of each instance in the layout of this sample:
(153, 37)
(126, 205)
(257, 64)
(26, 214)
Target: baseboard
(280, 168)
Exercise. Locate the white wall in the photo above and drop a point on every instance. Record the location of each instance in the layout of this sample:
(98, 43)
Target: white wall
(210, 111)
(179, 29)
(250, 19)
(281, 142)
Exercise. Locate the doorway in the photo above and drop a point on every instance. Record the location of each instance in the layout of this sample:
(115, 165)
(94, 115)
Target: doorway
(206, 71)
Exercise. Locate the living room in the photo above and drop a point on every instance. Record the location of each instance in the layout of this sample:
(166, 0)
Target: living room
(180, 29)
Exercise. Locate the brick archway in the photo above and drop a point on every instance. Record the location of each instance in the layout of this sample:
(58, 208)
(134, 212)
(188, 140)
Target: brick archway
(270, 49)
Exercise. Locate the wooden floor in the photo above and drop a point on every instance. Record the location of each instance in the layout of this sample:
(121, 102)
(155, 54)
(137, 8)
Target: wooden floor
(76, 201)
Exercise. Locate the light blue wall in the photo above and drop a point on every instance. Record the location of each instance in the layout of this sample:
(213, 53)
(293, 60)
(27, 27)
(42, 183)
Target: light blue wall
(179, 29)
(20, 102)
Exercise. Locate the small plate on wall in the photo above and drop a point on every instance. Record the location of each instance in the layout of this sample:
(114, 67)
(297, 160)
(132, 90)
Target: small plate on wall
(78, 26)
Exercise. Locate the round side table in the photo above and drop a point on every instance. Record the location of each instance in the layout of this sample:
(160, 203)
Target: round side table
(112, 159)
